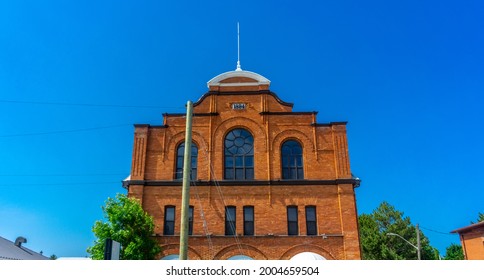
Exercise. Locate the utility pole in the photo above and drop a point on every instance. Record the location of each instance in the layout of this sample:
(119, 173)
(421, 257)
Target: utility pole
(186, 184)
(419, 248)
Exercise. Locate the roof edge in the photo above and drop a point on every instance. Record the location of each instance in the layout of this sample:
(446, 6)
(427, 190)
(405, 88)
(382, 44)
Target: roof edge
(273, 94)
(468, 228)
(261, 80)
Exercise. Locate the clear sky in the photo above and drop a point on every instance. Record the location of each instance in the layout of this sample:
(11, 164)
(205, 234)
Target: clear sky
(408, 76)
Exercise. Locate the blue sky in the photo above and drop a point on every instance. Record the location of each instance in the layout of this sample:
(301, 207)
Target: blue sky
(408, 76)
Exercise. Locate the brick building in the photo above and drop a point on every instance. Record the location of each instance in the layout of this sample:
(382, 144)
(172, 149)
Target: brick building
(267, 182)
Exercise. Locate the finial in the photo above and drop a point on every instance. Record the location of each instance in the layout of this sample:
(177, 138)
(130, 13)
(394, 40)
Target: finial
(238, 49)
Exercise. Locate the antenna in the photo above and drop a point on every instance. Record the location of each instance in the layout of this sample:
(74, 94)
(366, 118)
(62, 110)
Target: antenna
(238, 49)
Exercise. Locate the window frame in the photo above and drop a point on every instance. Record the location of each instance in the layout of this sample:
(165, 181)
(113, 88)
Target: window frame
(230, 220)
(292, 225)
(311, 225)
(169, 225)
(180, 159)
(238, 166)
(249, 224)
(292, 165)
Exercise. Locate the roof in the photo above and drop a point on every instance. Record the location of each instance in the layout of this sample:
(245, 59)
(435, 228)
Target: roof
(9, 251)
(469, 228)
(251, 78)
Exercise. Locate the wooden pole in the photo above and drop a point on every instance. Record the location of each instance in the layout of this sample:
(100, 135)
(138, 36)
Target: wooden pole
(186, 184)
(419, 247)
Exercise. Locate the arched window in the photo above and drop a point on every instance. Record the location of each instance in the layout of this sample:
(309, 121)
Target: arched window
(172, 257)
(180, 153)
(239, 155)
(240, 258)
(291, 159)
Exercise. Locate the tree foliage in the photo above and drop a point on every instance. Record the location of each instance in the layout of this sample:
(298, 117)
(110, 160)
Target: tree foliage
(480, 217)
(454, 252)
(127, 223)
(376, 244)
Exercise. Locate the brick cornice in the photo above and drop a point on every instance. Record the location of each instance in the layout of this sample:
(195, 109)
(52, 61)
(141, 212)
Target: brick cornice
(288, 113)
(244, 93)
(161, 183)
(329, 124)
(194, 114)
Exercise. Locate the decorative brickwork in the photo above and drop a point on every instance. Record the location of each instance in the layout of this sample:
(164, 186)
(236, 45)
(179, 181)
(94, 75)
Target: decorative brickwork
(327, 182)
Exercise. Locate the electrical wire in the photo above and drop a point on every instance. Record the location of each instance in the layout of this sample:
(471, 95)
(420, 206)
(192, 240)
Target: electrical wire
(211, 250)
(220, 193)
(57, 184)
(63, 131)
(88, 104)
(436, 231)
(61, 175)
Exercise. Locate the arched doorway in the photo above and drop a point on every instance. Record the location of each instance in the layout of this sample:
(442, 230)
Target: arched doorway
(308, 256)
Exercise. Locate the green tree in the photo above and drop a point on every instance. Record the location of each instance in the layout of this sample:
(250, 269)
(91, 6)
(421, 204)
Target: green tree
(376, 244)
(53, 257)
(454, 252)
(127, 223)
(480, 217)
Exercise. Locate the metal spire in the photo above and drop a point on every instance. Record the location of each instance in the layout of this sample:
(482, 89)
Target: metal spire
(238, 49)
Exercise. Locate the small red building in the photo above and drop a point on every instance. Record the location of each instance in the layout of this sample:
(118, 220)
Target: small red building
(472, 240)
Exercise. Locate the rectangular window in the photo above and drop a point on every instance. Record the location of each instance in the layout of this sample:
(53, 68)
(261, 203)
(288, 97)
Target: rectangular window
(239, 161)
(249, 173)
(193, 172)
(239, 174)
(292, 221)
(311, 225)
(229, 168)
(249, 161)
(179, 168)
(230, 220)
(248, 220)
(190, 220)
(169, 227)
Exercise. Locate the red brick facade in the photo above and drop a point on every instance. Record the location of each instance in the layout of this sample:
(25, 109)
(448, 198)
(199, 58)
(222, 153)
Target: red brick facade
(242, 100)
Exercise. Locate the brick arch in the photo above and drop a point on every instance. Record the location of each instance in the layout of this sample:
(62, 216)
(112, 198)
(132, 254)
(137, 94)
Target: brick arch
(291, 134)
(239, 122)
(176, 139)
(294, 134)
(260, 145)
(174, 249)
(197, 138)
(240, 249)
(306, 248)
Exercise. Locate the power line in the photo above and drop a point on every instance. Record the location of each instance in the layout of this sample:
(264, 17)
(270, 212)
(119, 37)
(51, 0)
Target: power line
(63, 131)
(436, 231)
(58, 184)
(88, 104)
(62, 175)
